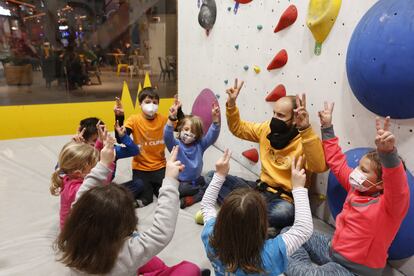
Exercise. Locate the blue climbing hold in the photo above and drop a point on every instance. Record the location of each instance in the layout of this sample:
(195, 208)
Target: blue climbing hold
(380, 59)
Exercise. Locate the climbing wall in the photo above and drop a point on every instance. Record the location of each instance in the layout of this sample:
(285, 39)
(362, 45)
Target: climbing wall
(238, 43)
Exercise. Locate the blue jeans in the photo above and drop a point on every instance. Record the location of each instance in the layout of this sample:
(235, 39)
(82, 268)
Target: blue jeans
(281, 213)
(315, 251)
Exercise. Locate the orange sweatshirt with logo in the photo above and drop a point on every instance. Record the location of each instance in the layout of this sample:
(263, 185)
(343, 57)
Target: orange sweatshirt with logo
(149, 136)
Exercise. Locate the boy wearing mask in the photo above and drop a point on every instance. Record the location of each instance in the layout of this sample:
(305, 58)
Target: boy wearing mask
(147, 130)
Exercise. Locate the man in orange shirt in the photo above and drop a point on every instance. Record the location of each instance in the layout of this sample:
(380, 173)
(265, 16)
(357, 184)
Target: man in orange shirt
(147, 130)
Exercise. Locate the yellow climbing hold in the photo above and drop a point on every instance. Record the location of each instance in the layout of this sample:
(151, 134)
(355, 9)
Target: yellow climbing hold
(256, 69)
(321, 197)
(139, 91)
(322, 15)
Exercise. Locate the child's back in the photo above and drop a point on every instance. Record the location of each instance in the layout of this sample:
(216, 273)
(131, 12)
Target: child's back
(75, 161)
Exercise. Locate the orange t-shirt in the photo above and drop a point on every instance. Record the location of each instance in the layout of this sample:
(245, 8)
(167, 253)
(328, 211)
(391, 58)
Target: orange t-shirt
(149, 136)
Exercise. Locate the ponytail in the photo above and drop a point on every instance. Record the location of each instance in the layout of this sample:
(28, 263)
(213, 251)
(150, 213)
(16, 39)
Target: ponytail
(56, 183)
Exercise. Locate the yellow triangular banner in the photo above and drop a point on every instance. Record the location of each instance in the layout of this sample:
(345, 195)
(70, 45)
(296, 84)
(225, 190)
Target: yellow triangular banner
(147, 81)
(126, 100)
(139, 91)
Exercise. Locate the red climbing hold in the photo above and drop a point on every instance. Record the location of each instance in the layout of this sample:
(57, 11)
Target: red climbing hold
(252, 155)
(243, 1)
(288, 17)
(276, 94)
(279, 60)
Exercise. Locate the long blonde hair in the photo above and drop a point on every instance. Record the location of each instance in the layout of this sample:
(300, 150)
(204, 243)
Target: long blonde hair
(73, 156)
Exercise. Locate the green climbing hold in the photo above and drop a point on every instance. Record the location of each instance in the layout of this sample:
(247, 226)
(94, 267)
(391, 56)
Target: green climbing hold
(226, 81)
(236, 46)
(229, 8)
(246, 67)
(259, 27)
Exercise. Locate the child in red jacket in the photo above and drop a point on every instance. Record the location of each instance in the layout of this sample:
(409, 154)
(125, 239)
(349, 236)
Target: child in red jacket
(377, 202)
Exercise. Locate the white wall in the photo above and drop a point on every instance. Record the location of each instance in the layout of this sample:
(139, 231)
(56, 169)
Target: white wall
(208, 61)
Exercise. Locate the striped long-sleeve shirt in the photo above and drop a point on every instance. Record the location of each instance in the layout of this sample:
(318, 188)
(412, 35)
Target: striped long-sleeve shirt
(297, 235)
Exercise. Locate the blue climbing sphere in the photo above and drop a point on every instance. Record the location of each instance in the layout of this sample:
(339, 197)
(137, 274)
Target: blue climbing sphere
(403, 245)
(380, 59)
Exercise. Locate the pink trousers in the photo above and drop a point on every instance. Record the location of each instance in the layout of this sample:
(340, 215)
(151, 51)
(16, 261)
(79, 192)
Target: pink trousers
(156, 267)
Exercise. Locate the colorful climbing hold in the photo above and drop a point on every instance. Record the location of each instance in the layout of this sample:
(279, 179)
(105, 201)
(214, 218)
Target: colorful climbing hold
(278, 92)
(279, 60)
(256, 69)
(207, 15)
(259, 27)
(246, 67)
(238, 2)
(236, 46)
(321, 18)
(226, 81)
(252, 155)
(288, 17)
(228, 8)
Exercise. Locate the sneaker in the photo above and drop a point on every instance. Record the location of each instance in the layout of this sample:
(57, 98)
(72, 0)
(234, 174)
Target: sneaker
(205, 272)
(186, 201)
(138, 203)
(199, 218)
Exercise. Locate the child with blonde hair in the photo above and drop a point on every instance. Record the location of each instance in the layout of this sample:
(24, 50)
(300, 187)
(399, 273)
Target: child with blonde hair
(192, 145)
(75, 161)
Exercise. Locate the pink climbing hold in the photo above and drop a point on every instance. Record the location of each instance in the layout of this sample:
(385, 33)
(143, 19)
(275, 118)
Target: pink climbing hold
(276, 94)
(288, 17)
(279, 60)
(252, 155)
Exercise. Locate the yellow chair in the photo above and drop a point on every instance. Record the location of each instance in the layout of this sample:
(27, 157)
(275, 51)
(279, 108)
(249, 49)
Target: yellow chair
(120, 66)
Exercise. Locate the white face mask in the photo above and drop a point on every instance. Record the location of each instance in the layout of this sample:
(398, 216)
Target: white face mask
(357, 179)
(149, 109)
(187, 137)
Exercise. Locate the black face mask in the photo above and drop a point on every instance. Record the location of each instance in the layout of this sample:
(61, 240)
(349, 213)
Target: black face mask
(280, 133)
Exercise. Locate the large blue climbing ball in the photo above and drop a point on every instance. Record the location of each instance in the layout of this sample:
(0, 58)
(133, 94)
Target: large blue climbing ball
(403, 244)
(380, 59)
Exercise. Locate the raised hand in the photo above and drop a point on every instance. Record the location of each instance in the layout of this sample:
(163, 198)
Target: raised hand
(223, 164)
(121, 130)
(174, 166)
(298, 173)
(173, 111)
(325, 115)
(215, 113)
(118, 109)
(78, 138)
(233, 92)
(177, 101)
(300, 113)
(102, 132)
(385, 139)
(108, 152)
